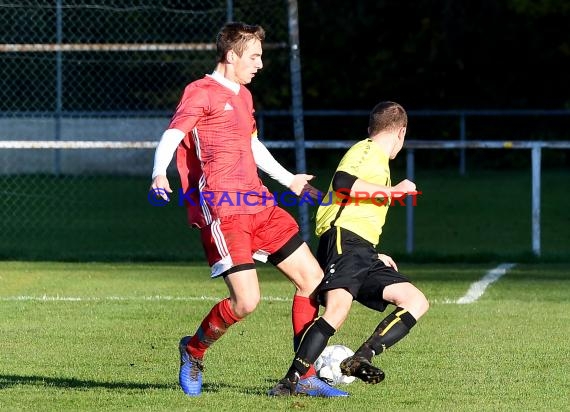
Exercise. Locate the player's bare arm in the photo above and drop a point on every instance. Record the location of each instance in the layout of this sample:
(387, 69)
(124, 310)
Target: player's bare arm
(404, 187)
(344, 181)
(298, 184)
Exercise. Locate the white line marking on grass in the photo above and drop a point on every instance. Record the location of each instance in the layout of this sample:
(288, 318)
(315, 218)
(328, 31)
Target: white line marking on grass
(477, 289)
(444, 301)
(57, 298)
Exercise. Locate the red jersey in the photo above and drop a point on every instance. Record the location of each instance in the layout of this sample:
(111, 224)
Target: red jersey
(215, 161)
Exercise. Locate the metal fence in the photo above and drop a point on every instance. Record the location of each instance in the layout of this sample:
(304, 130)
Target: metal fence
(107, 70)
(98, 216)
(111, 73)
(88, 70)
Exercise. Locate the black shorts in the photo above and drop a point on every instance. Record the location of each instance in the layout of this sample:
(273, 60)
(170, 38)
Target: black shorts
(352, 263)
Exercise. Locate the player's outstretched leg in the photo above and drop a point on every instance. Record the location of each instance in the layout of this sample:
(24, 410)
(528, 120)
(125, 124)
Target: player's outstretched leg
(361, 368)
(314, 341)
(190, 376)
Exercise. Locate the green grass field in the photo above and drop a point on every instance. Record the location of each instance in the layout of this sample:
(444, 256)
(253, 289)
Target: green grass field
(103, 336)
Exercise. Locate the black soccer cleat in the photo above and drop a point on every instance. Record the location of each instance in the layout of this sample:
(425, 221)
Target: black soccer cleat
(284, 387)
(361, 368)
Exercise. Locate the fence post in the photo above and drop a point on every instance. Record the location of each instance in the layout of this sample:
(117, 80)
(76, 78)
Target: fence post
(58, 85)
(297, 102)
(409, 203)
(536, 160)
(462, 137)
(229, 10)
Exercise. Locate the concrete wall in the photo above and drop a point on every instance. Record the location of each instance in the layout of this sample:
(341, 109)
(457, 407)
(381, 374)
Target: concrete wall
(80, 161)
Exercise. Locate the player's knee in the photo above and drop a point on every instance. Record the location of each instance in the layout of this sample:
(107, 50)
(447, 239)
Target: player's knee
(423, 303)
(417, 304)
(245, 307)
(407, 296)
(335, 317)
(311, 276)
(337, 308)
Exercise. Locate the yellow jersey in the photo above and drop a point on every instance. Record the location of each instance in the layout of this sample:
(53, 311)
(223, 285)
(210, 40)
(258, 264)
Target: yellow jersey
(364, 214)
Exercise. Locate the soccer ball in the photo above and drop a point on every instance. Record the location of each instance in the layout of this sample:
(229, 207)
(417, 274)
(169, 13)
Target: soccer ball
(328, 365)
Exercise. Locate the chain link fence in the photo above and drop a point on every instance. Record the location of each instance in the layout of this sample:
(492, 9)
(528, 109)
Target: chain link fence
(102, 70)
(108, 75)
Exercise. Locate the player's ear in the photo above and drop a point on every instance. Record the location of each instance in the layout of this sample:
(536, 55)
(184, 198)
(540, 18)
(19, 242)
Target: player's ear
(231, 56)
(402, 133)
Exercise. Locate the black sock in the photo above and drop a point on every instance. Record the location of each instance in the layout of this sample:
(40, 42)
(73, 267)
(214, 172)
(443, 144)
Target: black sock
(392, 329)
(312, 344)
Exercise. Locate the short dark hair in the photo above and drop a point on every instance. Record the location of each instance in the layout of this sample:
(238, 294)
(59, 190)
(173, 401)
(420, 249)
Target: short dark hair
(387, 116)
(234, 36)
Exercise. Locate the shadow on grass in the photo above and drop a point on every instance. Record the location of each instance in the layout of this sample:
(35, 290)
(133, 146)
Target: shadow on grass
(7, 381)
(73, 383)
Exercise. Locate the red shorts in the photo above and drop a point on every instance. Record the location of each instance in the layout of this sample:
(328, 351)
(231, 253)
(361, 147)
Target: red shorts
(234, 241)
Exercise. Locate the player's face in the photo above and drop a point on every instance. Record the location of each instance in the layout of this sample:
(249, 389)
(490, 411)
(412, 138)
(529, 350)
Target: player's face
(249, 63)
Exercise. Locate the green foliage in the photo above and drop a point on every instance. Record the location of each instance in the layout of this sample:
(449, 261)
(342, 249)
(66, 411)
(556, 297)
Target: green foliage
(425, 54)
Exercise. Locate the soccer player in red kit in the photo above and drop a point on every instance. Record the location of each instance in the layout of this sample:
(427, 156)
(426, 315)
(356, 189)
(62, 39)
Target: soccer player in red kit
(214, 135)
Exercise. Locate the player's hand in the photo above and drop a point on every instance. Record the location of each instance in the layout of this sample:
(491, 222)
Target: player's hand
(300, 186)
(403, 188)
(388, 261)
(161, 187)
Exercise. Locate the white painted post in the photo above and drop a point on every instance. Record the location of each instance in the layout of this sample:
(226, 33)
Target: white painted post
(409, 204)
(462, 138)
(536, 159)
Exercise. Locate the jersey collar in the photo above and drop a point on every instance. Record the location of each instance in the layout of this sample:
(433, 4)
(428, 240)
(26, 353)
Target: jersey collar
(233, 86)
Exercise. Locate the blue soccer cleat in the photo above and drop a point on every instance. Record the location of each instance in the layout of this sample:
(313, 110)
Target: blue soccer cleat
(314, 386)
(190, 376)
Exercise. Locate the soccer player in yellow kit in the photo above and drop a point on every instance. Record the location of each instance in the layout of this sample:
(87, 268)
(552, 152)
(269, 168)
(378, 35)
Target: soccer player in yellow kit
(349, 225)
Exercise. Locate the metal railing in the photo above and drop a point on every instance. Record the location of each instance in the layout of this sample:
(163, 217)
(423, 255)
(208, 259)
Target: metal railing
(461, 114)
(411, 146)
